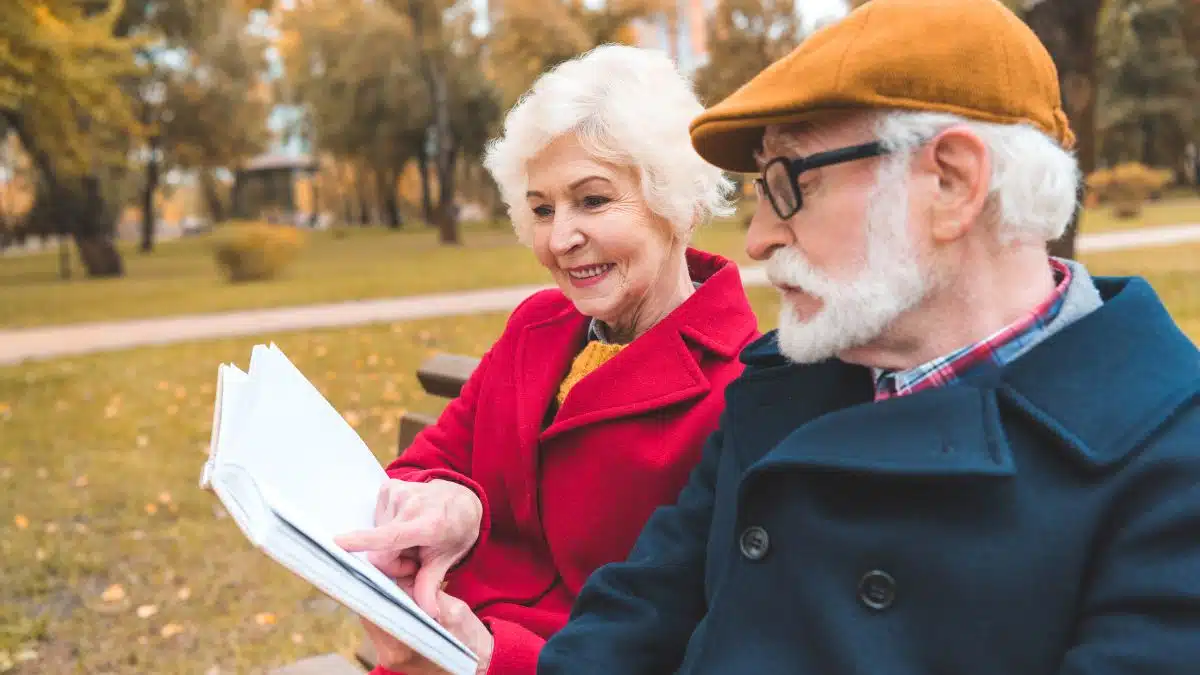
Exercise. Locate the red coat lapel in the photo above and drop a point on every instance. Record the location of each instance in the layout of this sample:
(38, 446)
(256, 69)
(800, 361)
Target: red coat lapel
(544, 353)
(663, 367)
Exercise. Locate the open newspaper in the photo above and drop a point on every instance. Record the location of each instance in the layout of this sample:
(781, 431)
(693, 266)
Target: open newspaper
(294, 474)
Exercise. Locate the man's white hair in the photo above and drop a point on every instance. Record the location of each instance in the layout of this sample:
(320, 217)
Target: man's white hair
(1034, 181)
(627, 106)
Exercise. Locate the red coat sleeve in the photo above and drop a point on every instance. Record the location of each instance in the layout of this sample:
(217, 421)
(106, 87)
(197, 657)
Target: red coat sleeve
(443, 450)
(515, 648)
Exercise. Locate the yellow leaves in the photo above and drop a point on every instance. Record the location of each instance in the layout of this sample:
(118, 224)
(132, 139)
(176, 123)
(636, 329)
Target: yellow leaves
(320, 351)
(42, 472)
(151, 508)
(172, 409)
(170, 630)
(20, 521)
(297, 639)
(142, 441)
(6, 472)
(180, 393)
(114, 593)
(164, 497)
(146, 611)
(264, 619)
(113, 408)
(372, 359)
(352, 418)
(183, 594)
(81, 481)
(5, 410)
(163, 386)
(51, 528)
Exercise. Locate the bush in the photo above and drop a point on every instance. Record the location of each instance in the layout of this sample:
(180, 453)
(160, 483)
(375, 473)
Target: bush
(1127, 186)
(252, 251)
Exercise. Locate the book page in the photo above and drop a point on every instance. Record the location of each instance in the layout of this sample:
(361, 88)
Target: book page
(293, 441)
(230, 381)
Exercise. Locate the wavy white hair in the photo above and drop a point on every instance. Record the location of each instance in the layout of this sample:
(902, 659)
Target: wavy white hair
(627, 106)
(1032, 194)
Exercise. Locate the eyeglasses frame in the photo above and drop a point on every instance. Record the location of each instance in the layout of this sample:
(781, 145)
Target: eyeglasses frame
(798, 165)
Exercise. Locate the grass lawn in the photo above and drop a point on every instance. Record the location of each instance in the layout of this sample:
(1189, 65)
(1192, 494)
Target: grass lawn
(180, 277)
(1176, 210)
(111, 559)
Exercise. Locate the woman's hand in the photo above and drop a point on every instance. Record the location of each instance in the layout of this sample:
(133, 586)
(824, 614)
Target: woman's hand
(456, 617)
(421, 531)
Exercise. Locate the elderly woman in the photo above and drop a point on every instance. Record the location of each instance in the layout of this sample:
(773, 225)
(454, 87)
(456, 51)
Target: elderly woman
(592, 407)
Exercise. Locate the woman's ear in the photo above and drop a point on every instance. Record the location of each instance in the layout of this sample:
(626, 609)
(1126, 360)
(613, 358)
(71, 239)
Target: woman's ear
(960, 162)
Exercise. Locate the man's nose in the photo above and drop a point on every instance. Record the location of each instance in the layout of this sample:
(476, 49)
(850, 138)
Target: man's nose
(766, 233)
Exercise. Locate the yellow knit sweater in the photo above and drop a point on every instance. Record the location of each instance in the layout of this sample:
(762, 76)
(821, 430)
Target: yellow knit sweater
(594, 355)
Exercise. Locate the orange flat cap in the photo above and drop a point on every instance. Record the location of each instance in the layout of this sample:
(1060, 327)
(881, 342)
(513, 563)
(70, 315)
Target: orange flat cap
(974, 58)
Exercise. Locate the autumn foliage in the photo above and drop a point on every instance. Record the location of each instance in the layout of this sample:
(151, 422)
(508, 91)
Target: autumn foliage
(255, 251)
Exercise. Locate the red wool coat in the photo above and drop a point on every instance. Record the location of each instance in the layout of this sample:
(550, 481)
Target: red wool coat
(565, 495)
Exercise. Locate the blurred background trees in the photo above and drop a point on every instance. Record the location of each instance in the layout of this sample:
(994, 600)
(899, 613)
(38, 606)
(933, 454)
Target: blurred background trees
(377, 112)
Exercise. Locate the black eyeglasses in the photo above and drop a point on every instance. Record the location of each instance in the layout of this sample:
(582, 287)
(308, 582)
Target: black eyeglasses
(779, 177)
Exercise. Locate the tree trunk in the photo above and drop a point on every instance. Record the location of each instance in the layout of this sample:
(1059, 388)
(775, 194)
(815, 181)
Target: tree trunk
(148, 216)
(447, 213)
(84, 213)
(94, 233)
(426, 189)
(212, 198)
(1068, 30)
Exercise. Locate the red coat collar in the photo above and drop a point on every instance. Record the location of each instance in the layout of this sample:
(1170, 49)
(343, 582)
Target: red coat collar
(659, 368)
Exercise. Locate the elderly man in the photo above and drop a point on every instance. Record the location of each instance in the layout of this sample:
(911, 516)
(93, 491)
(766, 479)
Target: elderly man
(956, 456)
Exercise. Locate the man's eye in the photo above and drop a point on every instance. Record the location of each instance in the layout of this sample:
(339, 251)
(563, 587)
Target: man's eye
(594, 201)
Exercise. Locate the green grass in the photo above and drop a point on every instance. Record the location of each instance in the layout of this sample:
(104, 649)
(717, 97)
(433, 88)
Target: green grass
(98, 470)
(1176, 210)
(181, 278)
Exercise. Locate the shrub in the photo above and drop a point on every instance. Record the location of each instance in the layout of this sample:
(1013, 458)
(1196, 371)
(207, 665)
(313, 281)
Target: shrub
(252, 251)
(1127, 186)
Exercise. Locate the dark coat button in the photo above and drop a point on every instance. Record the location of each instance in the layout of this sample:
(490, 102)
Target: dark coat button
(877, 590)
(755, 543)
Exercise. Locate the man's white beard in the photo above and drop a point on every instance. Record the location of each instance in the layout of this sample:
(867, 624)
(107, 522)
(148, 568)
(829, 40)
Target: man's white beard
(853, 313)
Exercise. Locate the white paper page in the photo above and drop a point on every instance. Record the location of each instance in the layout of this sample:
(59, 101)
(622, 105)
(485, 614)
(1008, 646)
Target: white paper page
(299, 519)
(292, 440)
(230, 382)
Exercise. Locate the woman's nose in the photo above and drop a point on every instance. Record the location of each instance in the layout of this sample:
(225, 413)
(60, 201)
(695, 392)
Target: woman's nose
(565, 236)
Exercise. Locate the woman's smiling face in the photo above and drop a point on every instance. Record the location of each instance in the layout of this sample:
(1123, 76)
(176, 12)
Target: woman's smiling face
(607, 250)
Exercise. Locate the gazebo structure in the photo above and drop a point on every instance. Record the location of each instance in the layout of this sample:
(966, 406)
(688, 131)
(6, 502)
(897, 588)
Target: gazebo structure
(265, 188)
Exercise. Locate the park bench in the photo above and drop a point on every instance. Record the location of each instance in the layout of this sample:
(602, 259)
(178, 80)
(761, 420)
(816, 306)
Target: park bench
(443, 376)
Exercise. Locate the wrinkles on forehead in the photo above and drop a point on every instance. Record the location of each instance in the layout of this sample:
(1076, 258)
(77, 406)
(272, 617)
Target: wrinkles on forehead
(806, 138)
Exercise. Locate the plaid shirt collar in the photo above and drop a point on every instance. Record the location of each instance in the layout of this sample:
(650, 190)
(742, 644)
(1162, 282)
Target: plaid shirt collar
(999, 348)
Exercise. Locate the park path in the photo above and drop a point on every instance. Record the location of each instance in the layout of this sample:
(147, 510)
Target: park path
(53, 341)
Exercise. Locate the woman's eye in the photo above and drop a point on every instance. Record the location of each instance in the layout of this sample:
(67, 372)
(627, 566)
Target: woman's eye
(594, 201)
(542, 211)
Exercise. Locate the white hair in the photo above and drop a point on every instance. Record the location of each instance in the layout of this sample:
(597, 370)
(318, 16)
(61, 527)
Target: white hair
(627, 106)
(1033, 182)
(890, 282)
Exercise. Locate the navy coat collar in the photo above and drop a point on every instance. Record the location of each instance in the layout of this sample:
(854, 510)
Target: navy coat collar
(1100, 386)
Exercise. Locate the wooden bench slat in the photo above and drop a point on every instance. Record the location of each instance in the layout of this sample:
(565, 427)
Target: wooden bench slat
(445, 374)
(411, 424)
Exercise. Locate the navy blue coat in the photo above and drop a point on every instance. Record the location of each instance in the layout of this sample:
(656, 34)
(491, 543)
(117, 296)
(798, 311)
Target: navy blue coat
(1037, 519)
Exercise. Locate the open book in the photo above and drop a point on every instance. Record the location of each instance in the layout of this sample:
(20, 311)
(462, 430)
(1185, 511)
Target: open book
(294, 474)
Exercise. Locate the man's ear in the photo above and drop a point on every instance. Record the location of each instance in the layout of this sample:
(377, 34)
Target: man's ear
(959, 160)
